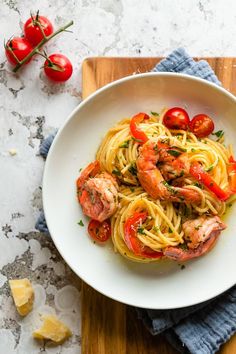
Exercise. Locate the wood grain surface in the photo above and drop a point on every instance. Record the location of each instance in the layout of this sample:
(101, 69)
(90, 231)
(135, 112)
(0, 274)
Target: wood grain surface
(109, 327)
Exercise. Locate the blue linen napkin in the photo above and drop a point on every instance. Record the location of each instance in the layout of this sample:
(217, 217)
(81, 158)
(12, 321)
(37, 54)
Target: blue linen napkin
(199, 329)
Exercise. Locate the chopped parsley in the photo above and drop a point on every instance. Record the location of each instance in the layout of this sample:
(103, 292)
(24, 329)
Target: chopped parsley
(156, 228)
(138, 140)
(80, 223)
(133, 169)
(154, 114)
(132, 189)
(219, 134)
(174, 153)
(197, 184)
(80, 169)
(169, 188)
(183, 246)
(140, 230)
(193, 150)
(229, 205)
(170, 230)
(179, 148)
(197, 227)
(116, 172)
(125, 144)
(210, 168)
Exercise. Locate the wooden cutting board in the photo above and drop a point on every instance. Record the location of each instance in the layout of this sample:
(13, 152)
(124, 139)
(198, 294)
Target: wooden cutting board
(109, 327)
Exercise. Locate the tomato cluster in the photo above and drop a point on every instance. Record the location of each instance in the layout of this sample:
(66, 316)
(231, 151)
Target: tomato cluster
(177, 118)
(37, 31)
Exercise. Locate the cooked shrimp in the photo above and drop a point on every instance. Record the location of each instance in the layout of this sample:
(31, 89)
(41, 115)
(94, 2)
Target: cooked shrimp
(153, 182)
(97, 192)
(90, 171)
(202, 233)
(173, 167)
(201, 229)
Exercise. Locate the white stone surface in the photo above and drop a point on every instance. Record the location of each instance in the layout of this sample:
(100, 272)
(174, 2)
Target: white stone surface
(31, 107)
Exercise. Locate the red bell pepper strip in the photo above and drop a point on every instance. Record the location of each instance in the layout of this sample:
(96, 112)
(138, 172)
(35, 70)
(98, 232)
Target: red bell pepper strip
(133, 243)
(232, 174)
(137, 133)
(197, 171)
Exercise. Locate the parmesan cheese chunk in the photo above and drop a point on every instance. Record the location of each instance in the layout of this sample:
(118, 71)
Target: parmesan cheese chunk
(52, 329)
(23, 295)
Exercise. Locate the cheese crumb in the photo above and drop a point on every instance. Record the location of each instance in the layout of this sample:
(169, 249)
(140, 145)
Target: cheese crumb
(12, 152)
(23, 295)
(52, 329)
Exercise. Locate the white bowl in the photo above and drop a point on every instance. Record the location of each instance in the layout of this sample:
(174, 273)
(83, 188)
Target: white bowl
(162, 285)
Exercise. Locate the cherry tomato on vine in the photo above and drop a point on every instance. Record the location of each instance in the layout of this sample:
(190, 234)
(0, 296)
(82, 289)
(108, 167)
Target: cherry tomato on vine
(99, 231)
(201, 125)
(58, 67)
(32, 29)
(21, 47)
(176, 118)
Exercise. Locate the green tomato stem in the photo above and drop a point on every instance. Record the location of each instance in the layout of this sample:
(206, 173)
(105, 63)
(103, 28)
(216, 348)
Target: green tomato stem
(36, 49)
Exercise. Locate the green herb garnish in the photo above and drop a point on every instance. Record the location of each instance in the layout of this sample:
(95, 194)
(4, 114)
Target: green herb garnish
(116, 172)
(132, 189)
(197, 227)
(183, 246)
(125, 144)
(138, 140)
(197, 184)
(133, 169)
(140, 230)
(218, 134)
(154, 114)
(80, 223)
(210, 168)
(170, 230)
(174, 153)
(156, 228)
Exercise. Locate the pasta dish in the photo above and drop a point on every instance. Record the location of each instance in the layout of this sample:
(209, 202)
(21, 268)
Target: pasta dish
(159, 186)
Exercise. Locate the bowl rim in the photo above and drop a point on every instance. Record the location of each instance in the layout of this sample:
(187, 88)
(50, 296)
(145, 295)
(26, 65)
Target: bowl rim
(219, 88)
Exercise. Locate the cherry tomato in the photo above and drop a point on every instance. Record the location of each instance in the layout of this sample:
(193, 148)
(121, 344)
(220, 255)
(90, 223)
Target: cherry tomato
(201, 125)
(21, 47)
(99, 231)
(58, 67)
(131, 239)
(176, 118)
(32, 29)
(137, 133)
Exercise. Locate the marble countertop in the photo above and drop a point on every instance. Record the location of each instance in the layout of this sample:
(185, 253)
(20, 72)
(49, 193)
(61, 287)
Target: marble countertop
(31, 108)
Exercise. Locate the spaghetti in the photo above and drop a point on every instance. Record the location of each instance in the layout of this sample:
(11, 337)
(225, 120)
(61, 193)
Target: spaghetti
(159, 224)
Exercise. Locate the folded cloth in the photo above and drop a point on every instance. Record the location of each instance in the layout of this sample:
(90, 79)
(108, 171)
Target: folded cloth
(199, 329)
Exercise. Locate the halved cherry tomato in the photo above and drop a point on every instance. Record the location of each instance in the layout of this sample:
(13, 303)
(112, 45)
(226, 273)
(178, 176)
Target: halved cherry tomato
(99, 231)
(232, 174)
(197, 171)
(58, 67)
(19, 48)
(131, 240)
(176, 118)
(201, 125)
(32, 29)
(137, 133)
